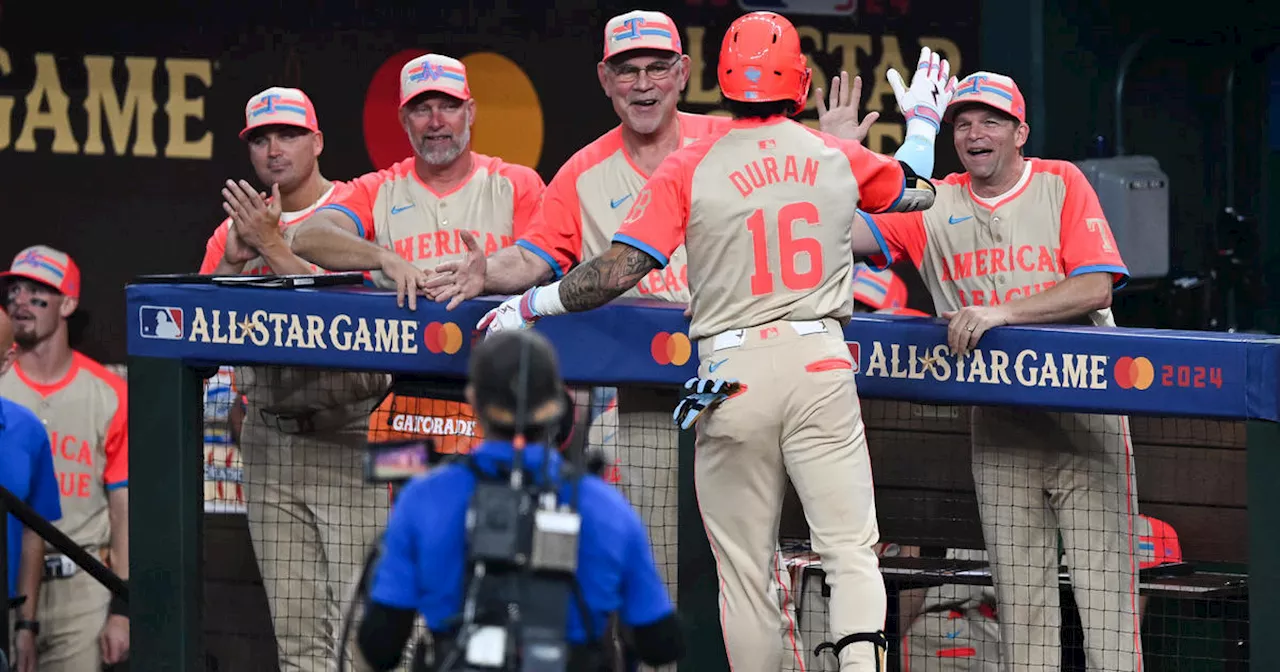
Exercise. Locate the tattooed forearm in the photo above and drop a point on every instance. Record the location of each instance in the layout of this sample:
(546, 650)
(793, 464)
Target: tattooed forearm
(605, 278)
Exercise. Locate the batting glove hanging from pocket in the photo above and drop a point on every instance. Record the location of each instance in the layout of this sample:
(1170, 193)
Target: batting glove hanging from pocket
(705, 393)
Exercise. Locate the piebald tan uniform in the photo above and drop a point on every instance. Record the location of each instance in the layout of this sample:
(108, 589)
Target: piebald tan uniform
(311, 516)
(402, 213)
(1038, 473)
(86, 415)
(765, 211)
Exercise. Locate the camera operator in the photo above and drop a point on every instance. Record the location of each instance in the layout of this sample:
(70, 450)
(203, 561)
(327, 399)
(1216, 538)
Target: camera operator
(434, 560)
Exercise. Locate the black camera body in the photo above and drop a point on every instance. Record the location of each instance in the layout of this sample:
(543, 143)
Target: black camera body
(523, 552)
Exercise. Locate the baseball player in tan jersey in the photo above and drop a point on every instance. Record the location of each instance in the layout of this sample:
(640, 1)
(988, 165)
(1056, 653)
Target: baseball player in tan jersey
(642, 72)
(85, 409)
(1016, 240)
(419, 208)
(311, 516)
(764, 210)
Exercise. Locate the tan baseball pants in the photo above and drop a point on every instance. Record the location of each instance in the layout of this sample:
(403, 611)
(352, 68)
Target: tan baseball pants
(1041, 473)
(72, 614)
(312, 518)
(644, 445)
(798, 416)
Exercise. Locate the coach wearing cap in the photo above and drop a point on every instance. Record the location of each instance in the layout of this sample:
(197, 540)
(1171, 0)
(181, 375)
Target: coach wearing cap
(424, 561)
(1023, 240)
(310, 513)
(84, 408)
(431, 206)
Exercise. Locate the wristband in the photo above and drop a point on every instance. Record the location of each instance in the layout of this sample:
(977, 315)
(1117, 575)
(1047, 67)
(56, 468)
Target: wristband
(923, 126)
(546, 301)
(119, 606)
(33, 626)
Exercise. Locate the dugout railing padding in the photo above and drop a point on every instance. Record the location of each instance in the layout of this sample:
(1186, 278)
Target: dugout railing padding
(636, 343)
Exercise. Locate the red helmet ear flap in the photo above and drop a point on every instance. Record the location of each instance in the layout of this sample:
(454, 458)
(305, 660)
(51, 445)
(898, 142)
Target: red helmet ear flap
(803, 98)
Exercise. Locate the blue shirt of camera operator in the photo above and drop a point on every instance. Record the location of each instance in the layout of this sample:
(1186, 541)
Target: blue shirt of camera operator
(424, 554)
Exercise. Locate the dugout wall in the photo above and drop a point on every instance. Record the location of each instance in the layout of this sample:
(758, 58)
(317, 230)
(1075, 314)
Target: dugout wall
(1236, 399)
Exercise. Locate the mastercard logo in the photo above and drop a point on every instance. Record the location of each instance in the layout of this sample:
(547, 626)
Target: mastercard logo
(1134, 373)
(670, 348)
(442, 338)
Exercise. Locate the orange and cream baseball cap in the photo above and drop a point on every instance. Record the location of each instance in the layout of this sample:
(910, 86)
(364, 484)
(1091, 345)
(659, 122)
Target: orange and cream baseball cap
(433, 72)
(279, 106)
(640, 30)
(880, 290)
(1157, 543)
(989, 89)
(46, 266)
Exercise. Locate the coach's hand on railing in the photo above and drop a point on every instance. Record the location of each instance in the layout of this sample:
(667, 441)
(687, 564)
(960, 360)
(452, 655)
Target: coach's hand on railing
(409, 279)
(458, 281)
(968, 324)
(841, 118)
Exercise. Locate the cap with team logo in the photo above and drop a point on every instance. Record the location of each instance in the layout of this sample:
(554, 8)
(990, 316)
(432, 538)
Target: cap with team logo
(990, 89)
(279, 106)
(46, 266)
(1157, 543)
(640, 30)
(880, 290)
(433, 72)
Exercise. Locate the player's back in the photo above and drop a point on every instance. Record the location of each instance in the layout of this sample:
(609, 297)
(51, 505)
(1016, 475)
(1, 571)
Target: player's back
(769, 227)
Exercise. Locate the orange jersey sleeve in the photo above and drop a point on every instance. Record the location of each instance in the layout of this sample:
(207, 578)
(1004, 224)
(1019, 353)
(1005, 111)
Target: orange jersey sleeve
(900, 235)
(358, 202)
(528, 188)
(881, 182)
(657, 221)
(1086, 240)
(555, 234)
(116, 445)
(215, 248)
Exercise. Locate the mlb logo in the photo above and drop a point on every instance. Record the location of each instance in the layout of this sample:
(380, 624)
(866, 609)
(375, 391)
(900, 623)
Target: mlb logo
(803, 7)
(855, 351)
(163, 322)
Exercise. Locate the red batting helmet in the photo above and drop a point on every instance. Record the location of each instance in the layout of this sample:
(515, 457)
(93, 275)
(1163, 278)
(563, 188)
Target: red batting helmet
(761, 60)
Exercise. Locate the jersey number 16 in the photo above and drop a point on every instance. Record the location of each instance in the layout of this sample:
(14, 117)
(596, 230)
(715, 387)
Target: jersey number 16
(789, 248)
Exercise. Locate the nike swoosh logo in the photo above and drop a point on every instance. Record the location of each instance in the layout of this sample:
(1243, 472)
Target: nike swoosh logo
(952, 635)
(618, 201)
(953, 219)
(397, 209)
(715, 365)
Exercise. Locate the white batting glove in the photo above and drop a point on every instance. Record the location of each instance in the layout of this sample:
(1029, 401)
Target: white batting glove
(520, 312)
(511, 314)
(931, 89)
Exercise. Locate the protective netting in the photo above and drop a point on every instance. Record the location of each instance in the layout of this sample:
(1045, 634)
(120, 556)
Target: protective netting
(1055, 489)
(284, 452)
